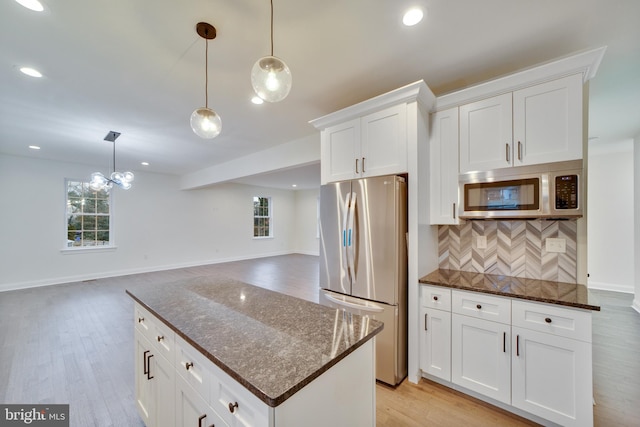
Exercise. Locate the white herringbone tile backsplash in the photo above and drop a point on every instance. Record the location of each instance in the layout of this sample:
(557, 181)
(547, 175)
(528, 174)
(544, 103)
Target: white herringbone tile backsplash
(514, 248)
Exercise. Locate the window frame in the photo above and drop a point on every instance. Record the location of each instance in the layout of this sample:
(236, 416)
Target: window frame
(96, 248)
(269, 217)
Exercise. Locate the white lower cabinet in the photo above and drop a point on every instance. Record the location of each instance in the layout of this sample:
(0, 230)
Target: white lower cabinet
(480, 358)
(552, 373)
(532, 357)
(191, 408)
(435, 334)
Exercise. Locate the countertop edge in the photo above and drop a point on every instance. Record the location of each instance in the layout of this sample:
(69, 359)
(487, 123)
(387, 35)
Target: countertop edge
(270, 401)
(426, 281)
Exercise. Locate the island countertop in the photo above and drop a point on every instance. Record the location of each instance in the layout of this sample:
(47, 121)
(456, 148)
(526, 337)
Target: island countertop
(560, 293)
(273, 344)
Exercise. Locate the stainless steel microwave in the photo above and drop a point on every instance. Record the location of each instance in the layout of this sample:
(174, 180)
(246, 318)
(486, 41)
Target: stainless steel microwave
(549, 190)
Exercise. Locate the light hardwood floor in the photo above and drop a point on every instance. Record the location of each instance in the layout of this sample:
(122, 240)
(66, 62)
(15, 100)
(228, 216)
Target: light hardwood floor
(73, 343)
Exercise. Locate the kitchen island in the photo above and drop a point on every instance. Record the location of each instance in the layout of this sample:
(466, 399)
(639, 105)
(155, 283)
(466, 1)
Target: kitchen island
(215, 351)
(520, 344)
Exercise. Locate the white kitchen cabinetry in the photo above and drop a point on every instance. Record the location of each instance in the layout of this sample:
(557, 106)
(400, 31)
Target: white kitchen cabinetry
(551, 363)
(443, 146)
(481, 358)
(538, 124)
(154, 376)
(435, 336)
(192, 391)
(372, 145)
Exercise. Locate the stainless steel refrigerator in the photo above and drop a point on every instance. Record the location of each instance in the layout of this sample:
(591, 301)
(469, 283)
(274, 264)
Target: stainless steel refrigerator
(363, 261)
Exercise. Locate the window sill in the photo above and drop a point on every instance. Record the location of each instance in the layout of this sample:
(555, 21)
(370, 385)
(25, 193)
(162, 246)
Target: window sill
(262, 237)
(87, 249)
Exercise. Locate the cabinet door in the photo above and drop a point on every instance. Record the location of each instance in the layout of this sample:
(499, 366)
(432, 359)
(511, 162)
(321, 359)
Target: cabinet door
(552, 377)
(144, 386)
(384, 142)
(435, 343)
(481, 358)
(191, 408)
(547, 122)
(340, 148)
(486, 134)
(164, 386)
(443, 148)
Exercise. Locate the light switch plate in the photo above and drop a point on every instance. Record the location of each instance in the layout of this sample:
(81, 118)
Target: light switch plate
(556, 245)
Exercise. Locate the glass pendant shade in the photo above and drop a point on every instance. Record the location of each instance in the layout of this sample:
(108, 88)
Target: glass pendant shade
(206, 123)
(271, 79)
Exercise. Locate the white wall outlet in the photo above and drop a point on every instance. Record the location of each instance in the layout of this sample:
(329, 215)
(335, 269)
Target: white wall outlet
(556, 245)
(481, 242)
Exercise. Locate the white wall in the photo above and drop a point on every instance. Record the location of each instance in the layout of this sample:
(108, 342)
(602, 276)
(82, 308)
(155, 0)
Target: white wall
(156, 225)
(610, 220)
(306, 225)
(636, 203)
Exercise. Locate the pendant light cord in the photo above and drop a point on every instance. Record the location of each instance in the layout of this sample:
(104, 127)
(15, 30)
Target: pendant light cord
(206, 73)
(271, 27)
(114, 156)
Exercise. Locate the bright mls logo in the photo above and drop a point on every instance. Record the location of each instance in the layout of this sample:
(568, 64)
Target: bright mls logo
(36, 415)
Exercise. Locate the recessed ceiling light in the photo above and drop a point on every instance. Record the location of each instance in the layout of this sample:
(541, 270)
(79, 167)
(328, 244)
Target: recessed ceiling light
(144, 163)
(31, 72)
(34, 147)
(412, 17)
(257, 100)
(34, 5)
(294, 185)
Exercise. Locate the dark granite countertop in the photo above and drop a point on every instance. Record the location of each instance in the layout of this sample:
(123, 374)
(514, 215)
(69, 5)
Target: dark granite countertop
(273, 344)
(561, 293)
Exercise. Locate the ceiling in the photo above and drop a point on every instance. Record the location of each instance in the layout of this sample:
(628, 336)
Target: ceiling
(137, 67)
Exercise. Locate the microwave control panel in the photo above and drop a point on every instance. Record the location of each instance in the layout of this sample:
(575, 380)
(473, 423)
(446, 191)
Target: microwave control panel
(567, 192)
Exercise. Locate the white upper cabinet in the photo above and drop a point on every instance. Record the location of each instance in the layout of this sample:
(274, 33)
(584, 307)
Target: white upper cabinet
(537, 124)
(375, 137)
(373, 145)
(548, 122)
(443, 146)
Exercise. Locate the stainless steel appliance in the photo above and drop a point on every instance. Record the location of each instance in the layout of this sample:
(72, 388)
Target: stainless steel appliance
(550, 190)
(363, 261)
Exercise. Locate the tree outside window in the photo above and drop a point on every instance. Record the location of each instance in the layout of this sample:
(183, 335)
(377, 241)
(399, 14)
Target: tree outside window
(262, 217)
(88, 216)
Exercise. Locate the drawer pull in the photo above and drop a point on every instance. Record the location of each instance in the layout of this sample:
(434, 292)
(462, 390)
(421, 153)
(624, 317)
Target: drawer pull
(233, 406)
(435, 298)
(517, 345)
(478, 306)
(425, 321)
(547, 319)
(188, 365)
(200, 418)
(160, 338)
(140, 319)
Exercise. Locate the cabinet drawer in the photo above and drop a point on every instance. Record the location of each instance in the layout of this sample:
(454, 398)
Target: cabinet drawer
(436, 297)
(236, 405)
(144, 322)
(553, 319)
(194, 367)
(164, 340)
(481, 306)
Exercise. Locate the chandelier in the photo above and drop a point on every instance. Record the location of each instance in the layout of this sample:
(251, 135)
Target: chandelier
(123, 180)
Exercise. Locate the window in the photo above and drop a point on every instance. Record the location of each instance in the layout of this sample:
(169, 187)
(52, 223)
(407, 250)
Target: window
(262, 217)
(88, 216)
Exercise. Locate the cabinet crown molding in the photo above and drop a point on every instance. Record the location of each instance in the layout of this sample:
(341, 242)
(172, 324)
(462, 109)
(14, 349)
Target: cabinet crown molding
(417, 91)
(585, 62)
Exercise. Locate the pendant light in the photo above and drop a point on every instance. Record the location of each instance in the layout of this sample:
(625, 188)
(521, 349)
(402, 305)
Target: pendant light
(270, 76)
(205, 122)
(123, 180)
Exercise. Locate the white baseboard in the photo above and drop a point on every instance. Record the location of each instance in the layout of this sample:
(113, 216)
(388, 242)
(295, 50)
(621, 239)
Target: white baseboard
(610, 287)
(103, 275)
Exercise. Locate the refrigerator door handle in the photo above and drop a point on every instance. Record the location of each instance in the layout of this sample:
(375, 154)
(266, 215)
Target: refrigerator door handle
(370, 307)
(345, 221)
(351, 244)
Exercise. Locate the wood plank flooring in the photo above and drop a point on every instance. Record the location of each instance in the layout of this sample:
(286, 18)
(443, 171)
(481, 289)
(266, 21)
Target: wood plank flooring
(73, 343)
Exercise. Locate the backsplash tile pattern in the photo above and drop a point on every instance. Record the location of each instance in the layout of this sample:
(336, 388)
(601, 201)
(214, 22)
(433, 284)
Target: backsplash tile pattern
(514, 248)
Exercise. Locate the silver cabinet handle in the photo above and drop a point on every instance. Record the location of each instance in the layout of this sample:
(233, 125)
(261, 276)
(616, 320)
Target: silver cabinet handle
(519, 150)
(454, 210)
(363, 165)
(506, 151)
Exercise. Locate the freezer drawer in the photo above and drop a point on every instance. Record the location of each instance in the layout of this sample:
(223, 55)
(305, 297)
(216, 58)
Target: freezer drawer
(391, 343)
